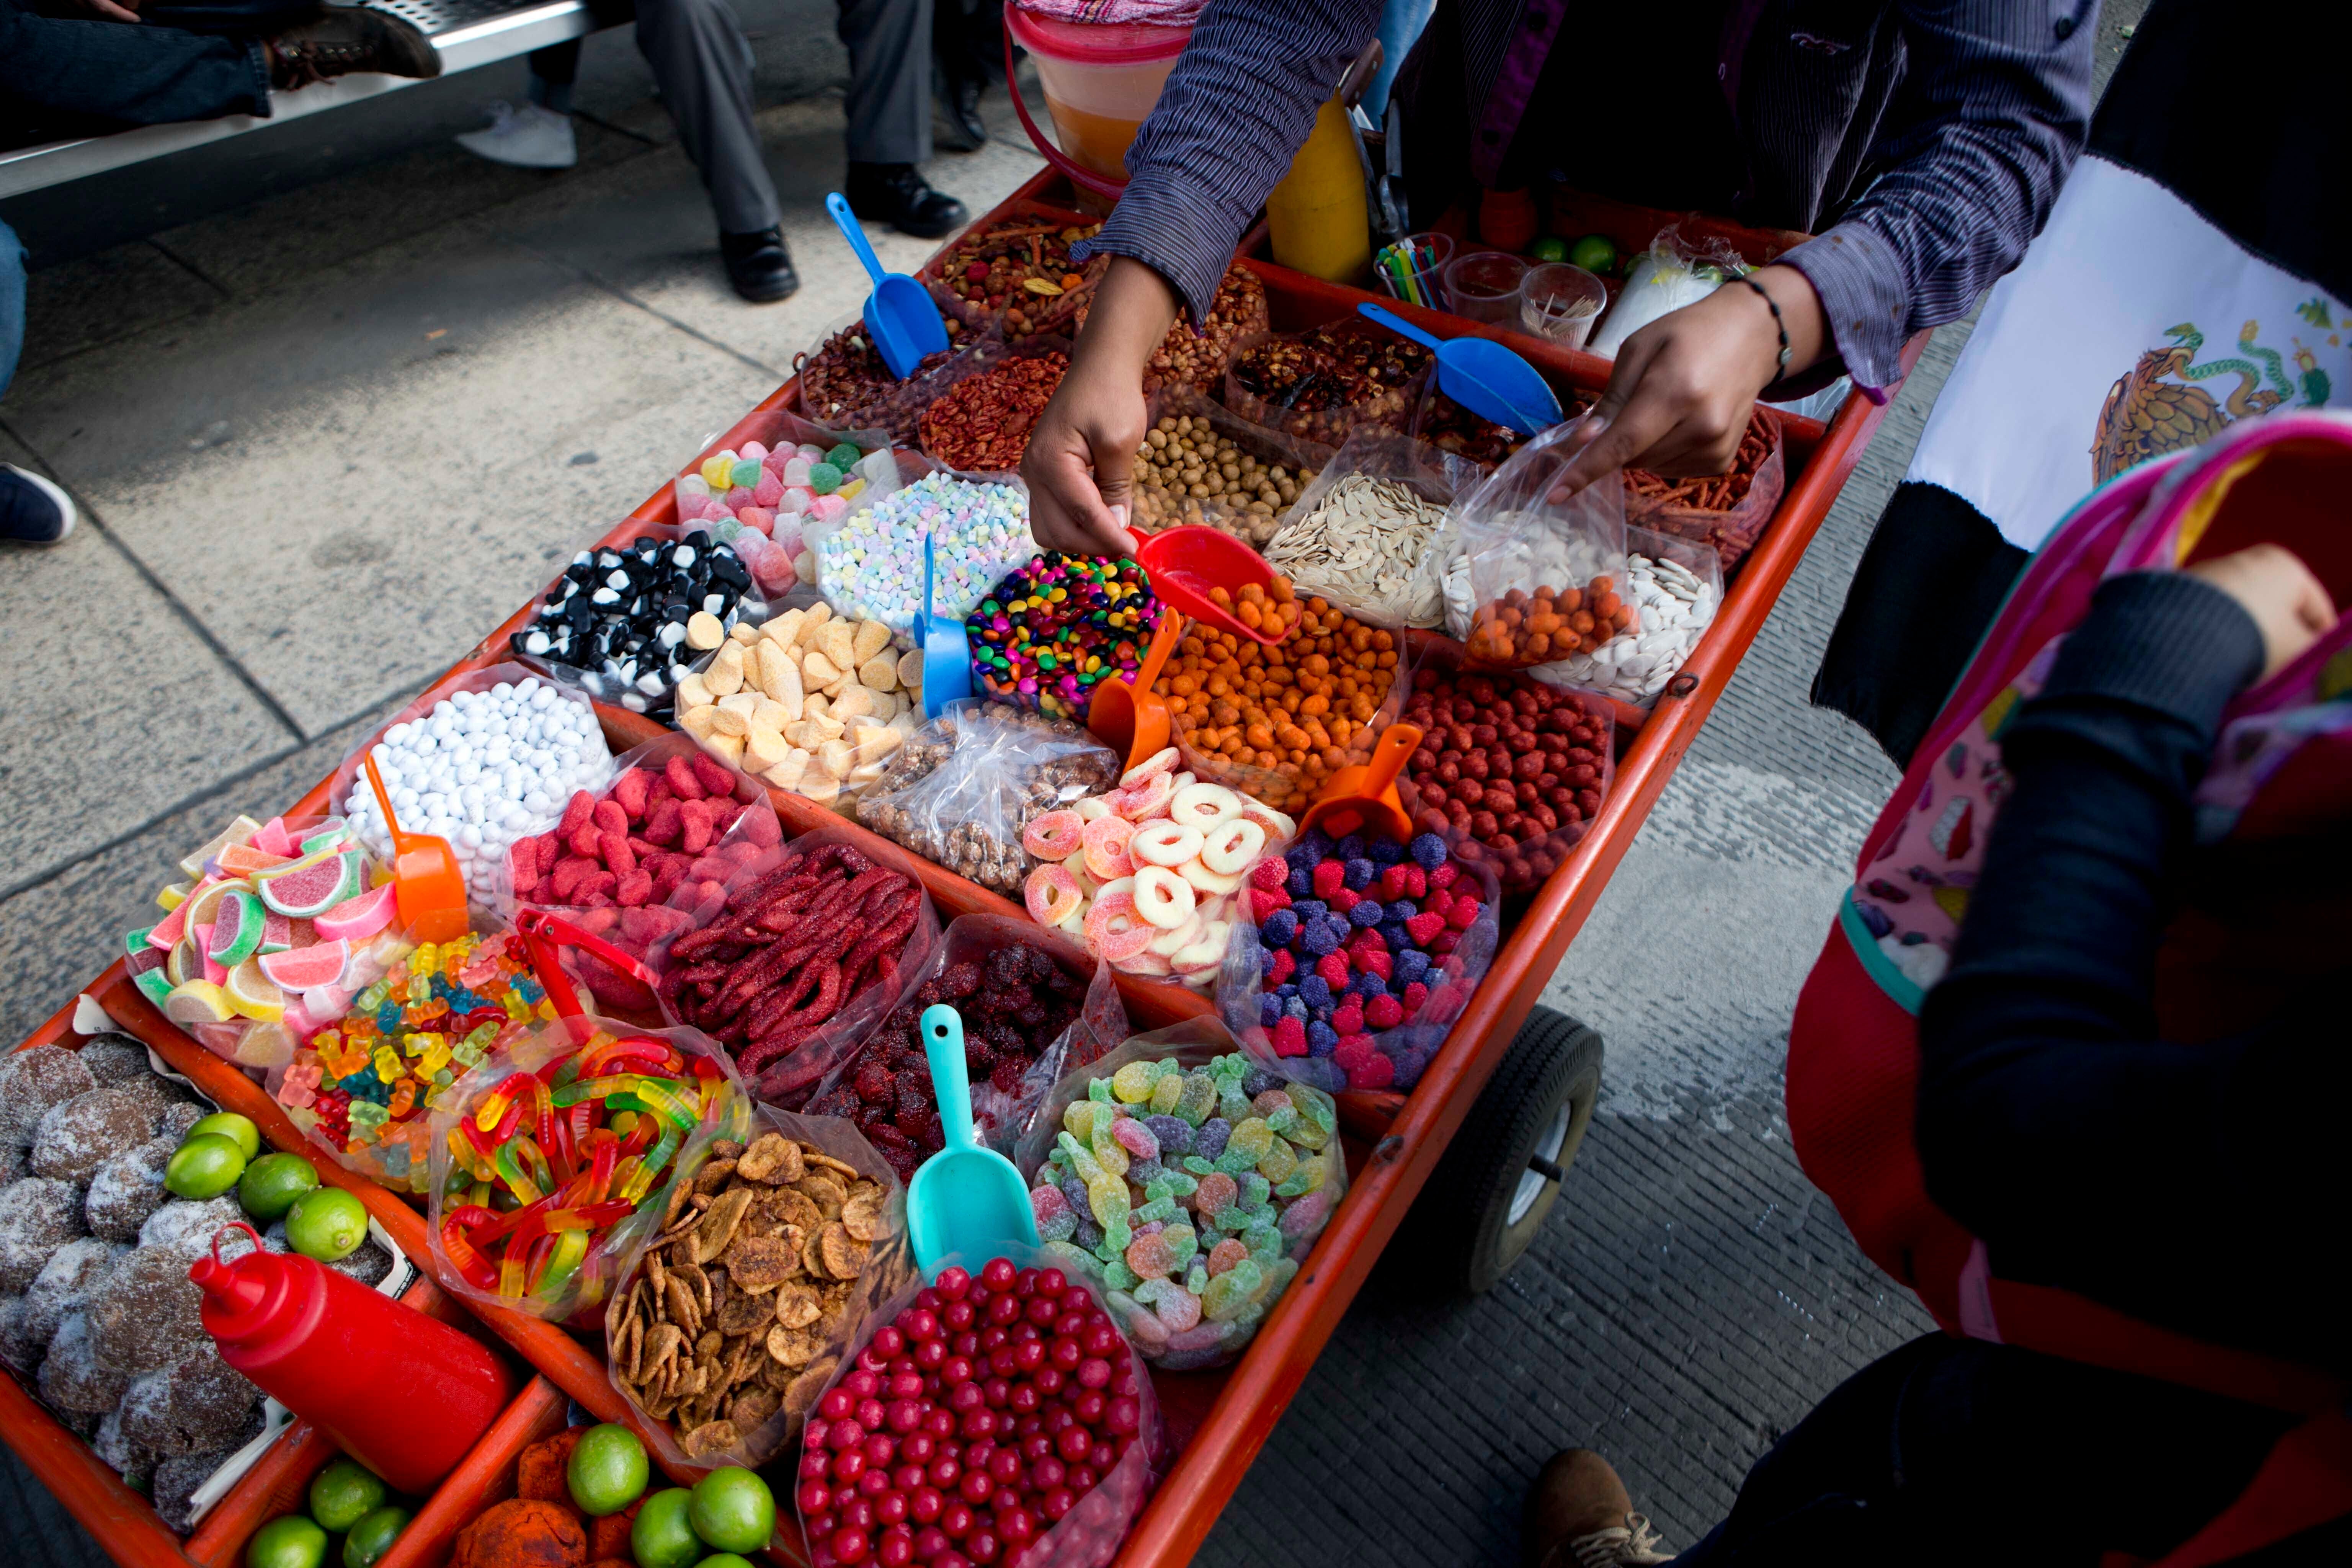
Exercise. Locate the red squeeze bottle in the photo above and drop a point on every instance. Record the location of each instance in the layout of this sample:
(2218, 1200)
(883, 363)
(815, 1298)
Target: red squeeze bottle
(404, 1394)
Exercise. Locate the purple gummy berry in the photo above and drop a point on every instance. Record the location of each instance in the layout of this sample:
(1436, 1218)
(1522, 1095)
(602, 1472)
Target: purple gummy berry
(1393, 932)
(1315, 991)
(1294, 1006)
(1338, 929)
(1210, 1142)
(1352, 848)
(1429, 851)
(1368, 985)
(1310, 910)
(1075, 1190)
(1320, 1016)
(1142, 1171)
(1297, 859)
(1319, 940)
(1359, 874)
(1269, 1009)
(1175, 1133)
(1387, 852)
(1257, 1080)
(1367, 913)
(1088, 1235)
(1410, 965)
(1317, 844)
(1280, 927)
(1286, 990)
(1301, 881)
(1322, 1039)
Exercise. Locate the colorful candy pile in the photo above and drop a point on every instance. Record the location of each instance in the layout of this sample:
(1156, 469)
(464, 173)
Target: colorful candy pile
(1357, 936)
(873, 566)
(543, 1164)
(1146, 876)
(361, 1087)
(1191, 1196)
(811, 701)
(626, 619)
(1046, 633)
(758, 500)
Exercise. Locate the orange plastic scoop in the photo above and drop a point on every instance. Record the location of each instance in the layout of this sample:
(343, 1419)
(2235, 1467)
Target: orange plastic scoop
(1184, 564)
(1133, 720)
(426, 885)
(1365, 798)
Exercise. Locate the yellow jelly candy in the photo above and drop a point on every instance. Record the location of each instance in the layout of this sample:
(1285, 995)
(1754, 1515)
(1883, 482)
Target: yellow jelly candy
(1133, 1083)
(387, 1064)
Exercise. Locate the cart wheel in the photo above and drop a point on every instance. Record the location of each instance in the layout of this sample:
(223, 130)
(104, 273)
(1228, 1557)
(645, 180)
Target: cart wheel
(1497, 1182)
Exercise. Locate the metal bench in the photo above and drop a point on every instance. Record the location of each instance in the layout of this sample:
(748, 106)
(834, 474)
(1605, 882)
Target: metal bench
(468, 33)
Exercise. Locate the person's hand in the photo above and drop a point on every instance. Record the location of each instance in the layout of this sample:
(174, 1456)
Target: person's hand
(1082, 452)
(126, 12)
(2289, 606)
(1681, 392)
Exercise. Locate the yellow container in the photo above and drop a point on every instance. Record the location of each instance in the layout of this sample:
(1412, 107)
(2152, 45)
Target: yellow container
(1320, 223)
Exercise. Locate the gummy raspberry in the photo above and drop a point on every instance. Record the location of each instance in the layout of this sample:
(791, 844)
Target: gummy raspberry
(1391, 884)
(1280, 968)
(1385, 851)
(1332, 970)
(1383, 1012)
(1375, 962)
(1360, 873)
(1314, 990)
(1351, 1053)
(1423, 928)
(1330, 878)
(1366, 915)
(1290, 1038)
(1320, 1016)
(1348, 1020)
(1344, 900)
(1320, 1039)
(1444, 877)
(1463, 914)
(1416, 882)
(1264, 902)
(1375, 1071)
(1442, 945)
(1280, 927)
(1415, 996)
(1300, 883)
(1269, 874)
(1428, 851)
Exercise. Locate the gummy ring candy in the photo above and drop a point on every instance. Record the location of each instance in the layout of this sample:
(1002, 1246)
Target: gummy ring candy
(1208, 880)
(1162, 897)
(1229, 851)
(1115, 931)
(1164, 844)
(1146, 800)
(1144, 962)
(1208, 953)
(1051, 895)
(1115, 887)
(1151, 767)
(1278, 826)
(1105, 841)
(1054, 836)
(1203, 805)
(1167, 942)
(1093, 807)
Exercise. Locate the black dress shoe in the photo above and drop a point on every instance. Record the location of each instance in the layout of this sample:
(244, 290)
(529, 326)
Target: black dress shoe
(759, 265)
(960, 128)
(896, 194)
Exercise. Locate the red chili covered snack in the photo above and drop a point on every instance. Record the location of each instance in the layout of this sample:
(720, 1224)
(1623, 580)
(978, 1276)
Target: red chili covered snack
(521, 1532)
(1505, 763)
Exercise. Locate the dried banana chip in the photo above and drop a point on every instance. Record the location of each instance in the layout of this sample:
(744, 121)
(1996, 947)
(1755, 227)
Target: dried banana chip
(751, 1408)
(793, 1347)
(772, 1158)
(760, 1263)
(794, 1207)
(798, 1304)
(844, 1258)
(825, 1190)
(710, 1437)
(801, 1392)
(719, 1223)
(712, 1177)
(861, 1215)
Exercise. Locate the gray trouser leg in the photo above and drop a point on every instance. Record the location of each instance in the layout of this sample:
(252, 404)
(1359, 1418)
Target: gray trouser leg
(703, 63)
(890, 100)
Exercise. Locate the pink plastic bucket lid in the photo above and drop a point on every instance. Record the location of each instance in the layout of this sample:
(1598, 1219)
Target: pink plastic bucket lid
(1081, 43)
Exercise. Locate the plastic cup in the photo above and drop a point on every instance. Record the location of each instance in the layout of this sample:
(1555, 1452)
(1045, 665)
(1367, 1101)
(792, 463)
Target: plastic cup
(1429, 277)
(1484, 285)
(1560, 302)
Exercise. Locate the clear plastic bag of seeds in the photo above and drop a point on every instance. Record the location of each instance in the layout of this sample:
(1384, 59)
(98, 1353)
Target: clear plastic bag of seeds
(1201, 465)
(1361, 532)
(1675, 586)
(1531, 573)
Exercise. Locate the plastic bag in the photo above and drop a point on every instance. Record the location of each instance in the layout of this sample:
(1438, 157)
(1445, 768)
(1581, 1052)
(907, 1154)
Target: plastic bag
(1366, 550)
(1317, 1054)
(480, 839)
(1511, 722)
(570, 1285)
(1320, 384)
(764, 1404)
(1190, 443)
(1303, 1171)
(881, 578)
(1727, 512)
(1002, 768)
(845, 385)
(987, 968)
(1675, 586)
(1524, 574)
(1190, 360)
(719, 491)
(1027, 283)
(1674, 273)
(712, 978)
(1090, 1533)
(960, 424)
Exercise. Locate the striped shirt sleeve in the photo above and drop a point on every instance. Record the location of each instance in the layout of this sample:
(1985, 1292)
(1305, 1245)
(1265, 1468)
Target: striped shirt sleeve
(1993, 109)
(1234, 112)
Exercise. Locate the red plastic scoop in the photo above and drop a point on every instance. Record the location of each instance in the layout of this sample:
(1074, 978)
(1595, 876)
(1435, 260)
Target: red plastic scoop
(1129, 716)
(1185, 563)
(1365, 798)
(427, 887)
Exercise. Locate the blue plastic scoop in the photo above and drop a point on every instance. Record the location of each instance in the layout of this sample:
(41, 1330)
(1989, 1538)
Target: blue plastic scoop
(947, 650)
(900, 315)
(1483, 376)
(966, 1199)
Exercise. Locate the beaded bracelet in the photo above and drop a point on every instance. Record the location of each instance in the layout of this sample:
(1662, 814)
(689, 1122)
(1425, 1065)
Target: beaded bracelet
(1778, 324)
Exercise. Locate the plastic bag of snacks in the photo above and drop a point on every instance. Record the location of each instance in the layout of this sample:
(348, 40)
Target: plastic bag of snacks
(779, 1231)
(1446, 425)
(1673, 272)
(1321, 695)
(972, 779)
(528, 742)
(869, 564)
(1069, 1508)
(1510, 769)
(362, 1084)
(1195, 361)
(814, 940)
(1058, 626)
(1325, 381)
(1362, 534)
(1015, 276)
(1675, 585)
(1189, 1182)
(548, 1158)
(1727, 511)
(1201, 465)
(1530, 574)
(778, 472)
(1364, 952)
(622, 622)
(984, 404)
(1033, 1003)
(845, 385)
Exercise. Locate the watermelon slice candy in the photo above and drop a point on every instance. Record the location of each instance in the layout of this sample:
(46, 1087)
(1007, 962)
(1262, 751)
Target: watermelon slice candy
(307, 968)
(237, 929)
(277, 932)
(307, 887)
(356, 919)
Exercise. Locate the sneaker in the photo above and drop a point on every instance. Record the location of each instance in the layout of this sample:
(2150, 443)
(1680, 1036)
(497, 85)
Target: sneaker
(1578, 1515)
(32, 509)
(897, 194)
(960, 128)
(759, 265)
(347, 39)
(530, 137)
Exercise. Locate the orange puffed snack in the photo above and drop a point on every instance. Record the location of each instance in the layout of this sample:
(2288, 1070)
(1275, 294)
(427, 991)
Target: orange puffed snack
(522, 1532)
(1523, 628)
(1276, 722)
(539, 1469)
(609, 1536)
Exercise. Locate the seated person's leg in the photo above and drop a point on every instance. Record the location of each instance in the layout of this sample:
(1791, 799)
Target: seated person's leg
(242, 17)
(538, 134)
(32, 509)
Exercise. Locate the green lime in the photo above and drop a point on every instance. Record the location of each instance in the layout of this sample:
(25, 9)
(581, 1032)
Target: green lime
(344, 1494)
(608, 1471)
(1548, 248)
(723, 1560)
(293, 1541)
(326, 1224)
(662, 1535)
(372, 1537)
(238, 1130)
(204, 1167)
(1595, 253)
(733, 1509)
(272, 1183)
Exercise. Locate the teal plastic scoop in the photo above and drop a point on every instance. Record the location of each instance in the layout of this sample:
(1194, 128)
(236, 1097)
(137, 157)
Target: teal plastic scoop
(1483, 376)
(966, 1199)
(946, 651)
(899, 314)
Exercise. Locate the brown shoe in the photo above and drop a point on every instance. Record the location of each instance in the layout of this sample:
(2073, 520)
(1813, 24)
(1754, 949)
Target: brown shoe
(1578, 1515)
(349, 40)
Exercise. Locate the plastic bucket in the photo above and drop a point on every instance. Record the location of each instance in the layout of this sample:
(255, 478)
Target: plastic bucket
(1100, 83)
